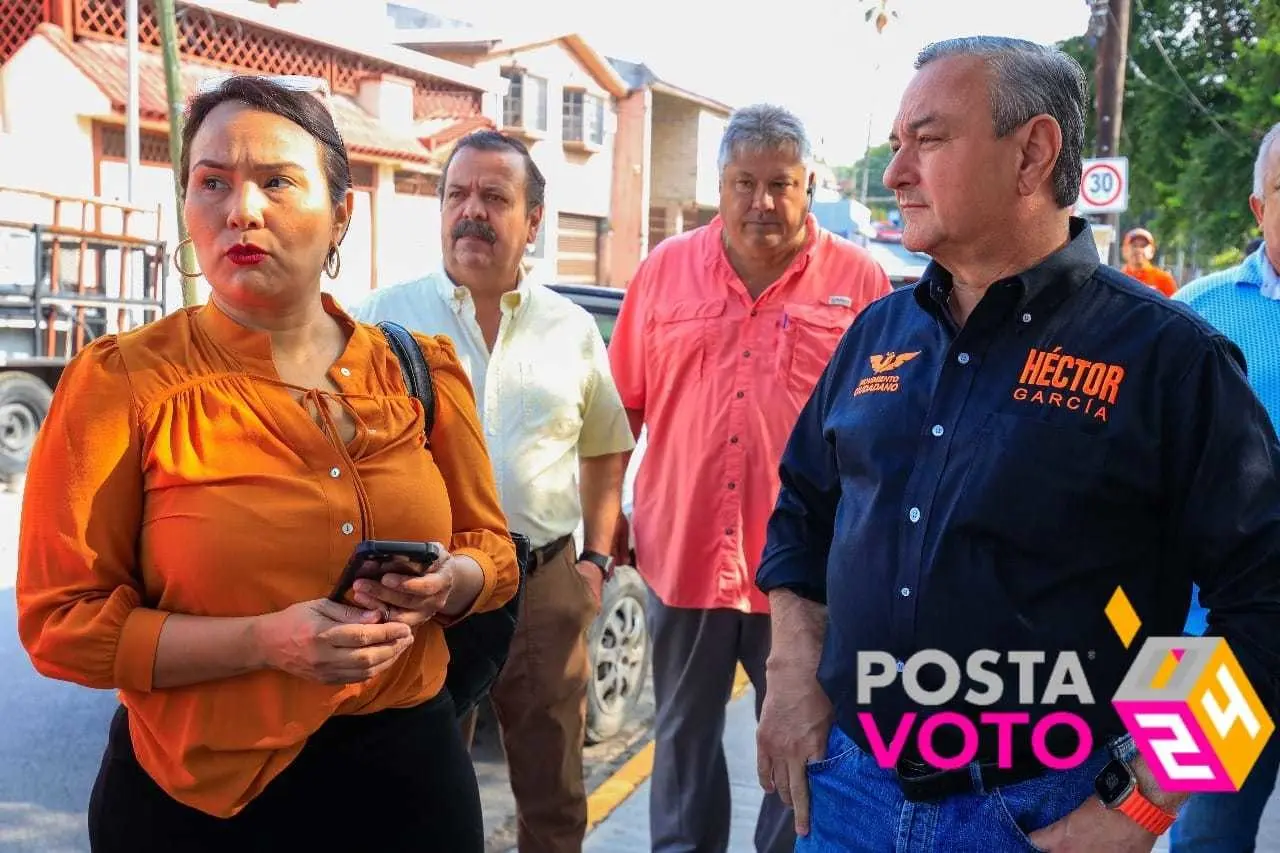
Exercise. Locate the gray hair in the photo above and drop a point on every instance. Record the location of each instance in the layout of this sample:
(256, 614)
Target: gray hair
(763, 127)
(1260, 165)
(1027, 80)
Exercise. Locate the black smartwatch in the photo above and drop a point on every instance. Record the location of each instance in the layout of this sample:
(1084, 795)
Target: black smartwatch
(603, 561)
(1117, 789)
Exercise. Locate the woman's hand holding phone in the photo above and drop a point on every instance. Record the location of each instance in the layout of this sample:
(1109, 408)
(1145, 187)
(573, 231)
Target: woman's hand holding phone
(329, 642)
(407, 592)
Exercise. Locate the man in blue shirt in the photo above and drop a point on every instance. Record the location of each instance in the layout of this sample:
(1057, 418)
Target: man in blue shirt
(989, 454)
(1242, 302)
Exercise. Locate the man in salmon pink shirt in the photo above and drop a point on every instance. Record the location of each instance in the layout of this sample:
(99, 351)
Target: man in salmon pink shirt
(721, 338)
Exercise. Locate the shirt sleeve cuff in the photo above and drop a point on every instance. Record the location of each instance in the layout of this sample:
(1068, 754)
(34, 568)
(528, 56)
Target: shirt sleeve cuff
(618, 444)
(135, 663)
(782, 575)
(490, 573)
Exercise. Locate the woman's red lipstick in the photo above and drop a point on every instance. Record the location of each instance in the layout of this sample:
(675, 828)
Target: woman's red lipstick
(246, 254)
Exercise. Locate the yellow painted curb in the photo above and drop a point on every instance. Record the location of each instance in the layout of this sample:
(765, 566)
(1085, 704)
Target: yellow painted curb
(614, 791)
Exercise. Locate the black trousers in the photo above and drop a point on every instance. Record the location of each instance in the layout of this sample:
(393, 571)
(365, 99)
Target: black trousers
(397, 780)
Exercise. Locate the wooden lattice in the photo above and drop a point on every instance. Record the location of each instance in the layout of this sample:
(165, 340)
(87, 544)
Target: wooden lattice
(439, 102)
(18, 21)
(432, 98)
(223, 41)
(229, 42)
(153, 147)
(348, 70)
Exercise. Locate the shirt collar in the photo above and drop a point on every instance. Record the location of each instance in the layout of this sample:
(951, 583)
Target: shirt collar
(513, 302)
(1041, 287)
(1257, 270)
(254, 345)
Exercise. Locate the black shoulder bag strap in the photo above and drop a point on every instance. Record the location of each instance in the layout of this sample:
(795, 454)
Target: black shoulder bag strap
(417, 375)
(478, 645)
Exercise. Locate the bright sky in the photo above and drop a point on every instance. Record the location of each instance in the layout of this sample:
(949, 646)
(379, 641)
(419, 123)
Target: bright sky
(817, 57)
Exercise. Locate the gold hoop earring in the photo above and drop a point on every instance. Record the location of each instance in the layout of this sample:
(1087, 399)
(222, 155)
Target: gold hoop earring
(177, 263)
(333, 262)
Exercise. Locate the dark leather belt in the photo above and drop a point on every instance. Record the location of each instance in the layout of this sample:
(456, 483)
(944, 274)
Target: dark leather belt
(922, 783)
(544, 555)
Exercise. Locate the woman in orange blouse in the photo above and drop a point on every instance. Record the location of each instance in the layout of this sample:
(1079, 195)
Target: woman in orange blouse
(195, 492)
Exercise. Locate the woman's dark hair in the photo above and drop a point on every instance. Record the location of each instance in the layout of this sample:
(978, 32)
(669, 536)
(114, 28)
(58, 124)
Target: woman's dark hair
(301, 108)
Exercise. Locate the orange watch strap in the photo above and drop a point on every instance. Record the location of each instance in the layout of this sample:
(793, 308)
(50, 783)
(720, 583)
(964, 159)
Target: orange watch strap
(1145, 813)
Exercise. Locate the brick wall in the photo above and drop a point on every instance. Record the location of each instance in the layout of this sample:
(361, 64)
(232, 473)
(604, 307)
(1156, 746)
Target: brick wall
(629, 214)
(675, 151)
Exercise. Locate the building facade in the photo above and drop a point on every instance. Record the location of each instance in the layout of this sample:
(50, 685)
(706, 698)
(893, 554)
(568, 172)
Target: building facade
(667, 178)
(63, 93)
(561, 101)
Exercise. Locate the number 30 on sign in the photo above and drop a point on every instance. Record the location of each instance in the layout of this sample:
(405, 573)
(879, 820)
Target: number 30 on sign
(1105, 186)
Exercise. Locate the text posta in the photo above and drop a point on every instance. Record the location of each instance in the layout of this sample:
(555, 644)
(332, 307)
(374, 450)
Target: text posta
(877, 670)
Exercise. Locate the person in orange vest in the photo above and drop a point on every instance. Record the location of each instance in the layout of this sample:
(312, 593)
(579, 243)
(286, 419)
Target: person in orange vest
(1139, 248)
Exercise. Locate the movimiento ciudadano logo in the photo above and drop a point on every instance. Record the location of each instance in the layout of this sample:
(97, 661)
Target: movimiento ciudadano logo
(1186, 701)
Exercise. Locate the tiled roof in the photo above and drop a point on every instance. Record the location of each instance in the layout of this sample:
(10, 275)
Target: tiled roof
(445, 137)
(106, 64)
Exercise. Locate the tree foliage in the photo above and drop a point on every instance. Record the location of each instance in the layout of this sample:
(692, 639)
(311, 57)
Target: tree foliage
(1202, 88)
(874, 162)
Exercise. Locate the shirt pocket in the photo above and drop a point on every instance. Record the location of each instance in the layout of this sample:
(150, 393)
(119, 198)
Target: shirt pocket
(550, 400)
(809, 335)
(684, 337)
(1037, 489)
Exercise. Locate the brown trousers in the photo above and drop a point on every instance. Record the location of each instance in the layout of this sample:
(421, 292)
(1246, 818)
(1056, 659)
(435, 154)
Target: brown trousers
(541, 704)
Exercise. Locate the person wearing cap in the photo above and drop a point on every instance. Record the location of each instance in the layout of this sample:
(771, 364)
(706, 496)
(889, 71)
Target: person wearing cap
(1139, 249)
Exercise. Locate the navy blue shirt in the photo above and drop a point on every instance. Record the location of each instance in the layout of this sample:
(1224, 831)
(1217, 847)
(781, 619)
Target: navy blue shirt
(989, 487)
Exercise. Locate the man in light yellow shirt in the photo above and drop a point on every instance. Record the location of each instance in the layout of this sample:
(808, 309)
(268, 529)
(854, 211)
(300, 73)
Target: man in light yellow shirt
(559, 439)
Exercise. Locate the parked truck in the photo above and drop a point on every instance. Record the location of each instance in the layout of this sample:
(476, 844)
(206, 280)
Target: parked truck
(71, 270)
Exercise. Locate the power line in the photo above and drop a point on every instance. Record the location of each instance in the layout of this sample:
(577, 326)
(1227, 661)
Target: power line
(1190, 97)
(1143, 77)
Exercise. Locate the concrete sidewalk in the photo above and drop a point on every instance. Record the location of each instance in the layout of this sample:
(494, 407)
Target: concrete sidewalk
(626, 828)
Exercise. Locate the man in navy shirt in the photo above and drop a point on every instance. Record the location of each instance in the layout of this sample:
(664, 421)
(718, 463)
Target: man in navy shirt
(989, 454)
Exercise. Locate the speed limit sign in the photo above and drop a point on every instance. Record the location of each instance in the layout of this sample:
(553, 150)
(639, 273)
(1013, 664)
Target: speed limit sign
(1104, 187)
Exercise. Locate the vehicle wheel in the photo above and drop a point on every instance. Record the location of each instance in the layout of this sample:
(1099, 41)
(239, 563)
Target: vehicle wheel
(24, 404)
(618, 645)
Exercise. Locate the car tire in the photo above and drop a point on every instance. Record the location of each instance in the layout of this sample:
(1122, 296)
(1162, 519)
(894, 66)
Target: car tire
(24, 404)
(618, 647)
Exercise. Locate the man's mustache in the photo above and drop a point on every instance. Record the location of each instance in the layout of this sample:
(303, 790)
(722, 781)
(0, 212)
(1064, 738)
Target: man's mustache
(475, 228)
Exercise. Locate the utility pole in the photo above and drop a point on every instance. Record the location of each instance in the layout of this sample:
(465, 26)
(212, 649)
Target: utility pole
(1109, 77)
(879, 13)
(173, 91)
(866, 161)
(131, 108)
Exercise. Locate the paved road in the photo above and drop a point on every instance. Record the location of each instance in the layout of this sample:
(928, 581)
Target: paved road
(626, 830)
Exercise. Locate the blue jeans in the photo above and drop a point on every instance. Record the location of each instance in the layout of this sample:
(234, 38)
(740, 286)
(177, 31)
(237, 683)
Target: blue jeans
(1228, 823)
(857, 807)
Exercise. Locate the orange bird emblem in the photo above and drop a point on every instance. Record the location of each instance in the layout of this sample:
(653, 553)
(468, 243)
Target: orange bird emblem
(891, 361)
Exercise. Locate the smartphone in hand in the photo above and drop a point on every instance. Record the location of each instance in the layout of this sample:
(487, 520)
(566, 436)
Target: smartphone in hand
(382, 552)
